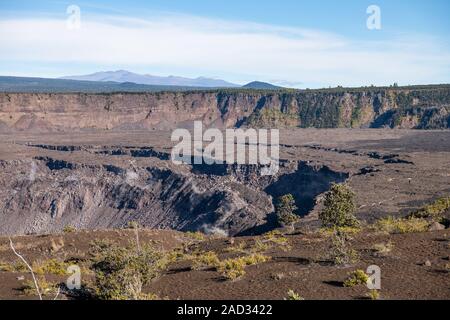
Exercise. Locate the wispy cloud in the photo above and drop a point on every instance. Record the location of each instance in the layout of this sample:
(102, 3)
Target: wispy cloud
(248, 49)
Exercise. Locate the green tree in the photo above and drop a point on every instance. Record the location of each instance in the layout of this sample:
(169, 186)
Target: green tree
(285, 210)
(339, 208)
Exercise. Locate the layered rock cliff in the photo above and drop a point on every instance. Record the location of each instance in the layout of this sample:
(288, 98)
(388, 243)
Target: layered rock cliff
(425, 107)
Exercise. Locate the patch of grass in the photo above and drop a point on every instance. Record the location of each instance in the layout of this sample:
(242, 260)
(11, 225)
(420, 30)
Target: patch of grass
(69, 229)
(196, 235)
(383, 249)
(292, 295)
(348, 230)
(205, 260)
(176, 255)
(433, 210)
(272, 234)
(51, 266)
(149, 297)
(277, 238)
(373, 294)
(260, 246)
(6, 267)
(234, 269)
(240, 248)
(255, 259)
(402, 225)
(17, 266)
(358, 277)
(46, 288)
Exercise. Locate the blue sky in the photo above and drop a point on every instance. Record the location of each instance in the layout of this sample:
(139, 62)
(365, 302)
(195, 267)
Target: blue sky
(294, 43)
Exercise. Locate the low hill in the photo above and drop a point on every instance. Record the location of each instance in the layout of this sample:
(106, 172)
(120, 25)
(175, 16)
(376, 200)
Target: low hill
(261, 85)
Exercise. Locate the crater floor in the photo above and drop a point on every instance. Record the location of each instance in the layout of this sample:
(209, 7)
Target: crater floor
(104, 179)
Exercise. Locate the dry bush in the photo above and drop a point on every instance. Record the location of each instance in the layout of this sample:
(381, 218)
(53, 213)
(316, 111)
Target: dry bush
(69, 229)
(17, 266)
(239, 248)
(358, 277)
(402, 225)
(51, 266)
(198, 236)
(276, 238)
(292, 295)
(433, 210)
(204, 260)
(373, 294)
(233, 269)
(383, 249)
(46, 288)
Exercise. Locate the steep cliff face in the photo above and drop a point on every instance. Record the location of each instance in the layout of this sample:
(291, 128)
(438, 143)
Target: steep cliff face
(422, 108)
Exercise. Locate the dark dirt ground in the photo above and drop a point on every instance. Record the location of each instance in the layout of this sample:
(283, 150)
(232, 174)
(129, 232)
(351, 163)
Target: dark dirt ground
(304, 269)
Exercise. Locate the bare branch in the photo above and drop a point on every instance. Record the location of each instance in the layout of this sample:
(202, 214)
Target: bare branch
(57, 293)
(29, 267)
(136, 230)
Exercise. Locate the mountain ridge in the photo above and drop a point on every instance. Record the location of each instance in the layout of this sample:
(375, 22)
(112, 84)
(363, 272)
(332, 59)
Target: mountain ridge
(122, 76)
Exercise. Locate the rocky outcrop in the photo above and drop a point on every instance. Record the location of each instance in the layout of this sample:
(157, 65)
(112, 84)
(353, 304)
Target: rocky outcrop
(422, 107)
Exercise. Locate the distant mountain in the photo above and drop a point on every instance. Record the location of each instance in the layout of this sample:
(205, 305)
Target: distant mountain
(122, 76)
(261, 85)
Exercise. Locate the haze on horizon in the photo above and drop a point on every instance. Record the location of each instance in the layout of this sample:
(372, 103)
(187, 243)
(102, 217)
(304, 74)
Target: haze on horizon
(288, 43)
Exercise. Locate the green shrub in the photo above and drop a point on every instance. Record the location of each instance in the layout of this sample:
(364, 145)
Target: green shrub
(285, 210)
(339, 208)
(120, 272)
(358, 277)
(340, 252)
